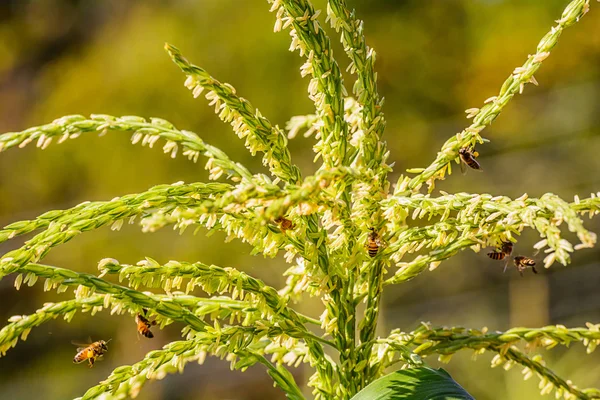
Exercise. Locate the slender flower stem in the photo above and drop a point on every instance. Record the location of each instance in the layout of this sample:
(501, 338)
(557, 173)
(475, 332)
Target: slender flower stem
(456, 338)
(247, 121)
(468, 220)
(281, 376)
(145, 131)
(515, 83)
(162, 196)
(326, 88)
(212, 279)
(73, 222)
(372, 123)
(549, 379)
(164, 306)
(21, 325)
(127, 381)
(447, 341)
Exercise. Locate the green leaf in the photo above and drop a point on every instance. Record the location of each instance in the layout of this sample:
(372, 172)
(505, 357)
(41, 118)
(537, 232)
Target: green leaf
(414, 384)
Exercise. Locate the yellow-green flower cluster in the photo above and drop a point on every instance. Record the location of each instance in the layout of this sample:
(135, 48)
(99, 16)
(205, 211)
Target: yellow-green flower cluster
(322, 222)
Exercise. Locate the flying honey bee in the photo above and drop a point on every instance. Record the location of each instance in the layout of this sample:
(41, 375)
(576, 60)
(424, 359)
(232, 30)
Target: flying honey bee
(504, 251)
(90, 352)
(143, 325)
(468, 157)
(284, 224)
(522, 262)
(373, 243)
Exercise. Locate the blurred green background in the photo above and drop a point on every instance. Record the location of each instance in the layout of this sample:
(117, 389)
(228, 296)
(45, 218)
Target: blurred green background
(435, 59)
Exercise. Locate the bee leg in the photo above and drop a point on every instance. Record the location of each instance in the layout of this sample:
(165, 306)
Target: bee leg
(534, 270)
(521, 272)
(91, 359)
(505, 265)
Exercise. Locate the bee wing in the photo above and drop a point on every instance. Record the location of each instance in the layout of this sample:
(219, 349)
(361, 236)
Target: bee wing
(80, 345)
(506, 264)
(463, 166)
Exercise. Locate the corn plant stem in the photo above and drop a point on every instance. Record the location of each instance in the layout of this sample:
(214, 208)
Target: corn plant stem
(163, 306)
(74, 125)
(369, 323)
(316, 237)
(333, 148)
(343, 308)
(334, 130)
(513, 85)
(372, 151)
(330, 110)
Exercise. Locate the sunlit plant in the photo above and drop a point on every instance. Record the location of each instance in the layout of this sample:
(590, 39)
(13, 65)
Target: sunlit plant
(346, 231)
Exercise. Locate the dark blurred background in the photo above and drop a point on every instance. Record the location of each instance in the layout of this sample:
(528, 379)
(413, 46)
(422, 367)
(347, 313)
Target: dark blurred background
(435, 59)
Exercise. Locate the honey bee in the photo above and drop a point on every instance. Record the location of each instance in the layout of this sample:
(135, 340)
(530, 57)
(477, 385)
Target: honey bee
(284, 224)
(468, 157)
(143, 325)
(503, 252)
(522, 262)
(90, 351)
(373, 243)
